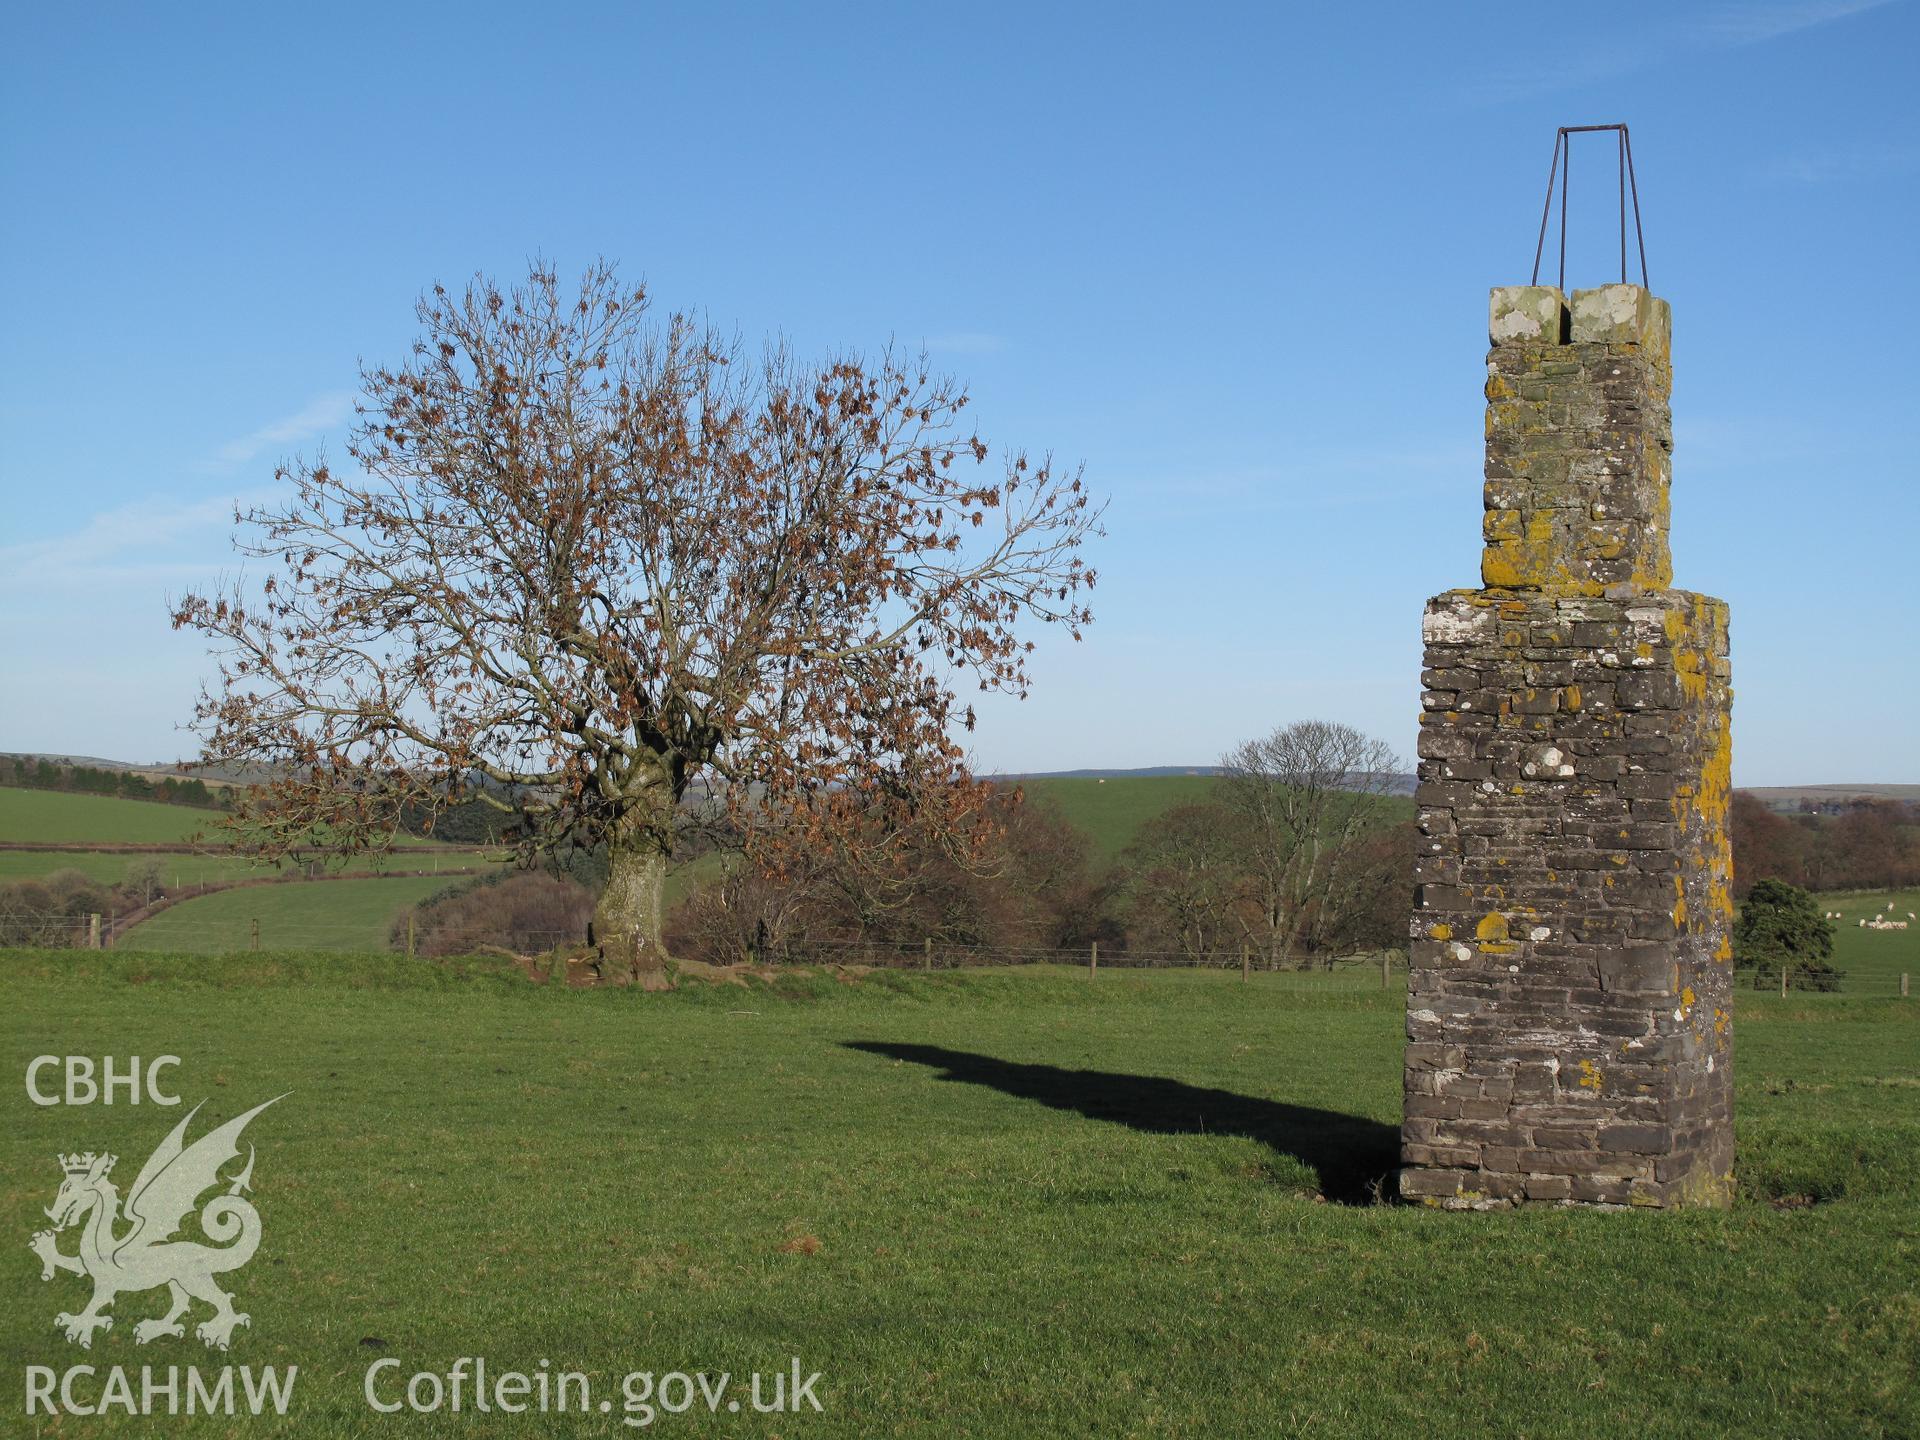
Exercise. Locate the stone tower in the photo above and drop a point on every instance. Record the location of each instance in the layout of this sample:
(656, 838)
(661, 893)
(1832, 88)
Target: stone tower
(1569, 1017)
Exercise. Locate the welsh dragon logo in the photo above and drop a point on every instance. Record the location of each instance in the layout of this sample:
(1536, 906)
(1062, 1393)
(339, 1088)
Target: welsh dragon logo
(145, 1256)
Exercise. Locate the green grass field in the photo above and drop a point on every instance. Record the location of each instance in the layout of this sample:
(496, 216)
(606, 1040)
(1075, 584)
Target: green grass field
(1110, 812)
(343, 915)
(110, 867)
(1873, 959)
(980, 1204)
(52, 817)
(320, 915)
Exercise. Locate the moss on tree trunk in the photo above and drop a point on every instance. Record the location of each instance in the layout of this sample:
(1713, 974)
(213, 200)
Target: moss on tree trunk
(627, 920)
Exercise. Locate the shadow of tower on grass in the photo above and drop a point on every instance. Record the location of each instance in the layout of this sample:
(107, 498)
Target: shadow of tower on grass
(1350, 1154)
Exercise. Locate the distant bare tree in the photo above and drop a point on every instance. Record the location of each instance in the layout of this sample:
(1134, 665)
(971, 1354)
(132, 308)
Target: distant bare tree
(144, 878)
(1185, 882)
(742, 914)
(1304, 799)
(898, 885)
(587, 560)
(1372, 914)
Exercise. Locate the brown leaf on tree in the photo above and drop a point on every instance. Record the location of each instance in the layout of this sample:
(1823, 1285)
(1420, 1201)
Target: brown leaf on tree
(584, 560)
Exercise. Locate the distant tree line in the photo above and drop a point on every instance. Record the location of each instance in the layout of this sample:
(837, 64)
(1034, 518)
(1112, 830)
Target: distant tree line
(31, 773)
(1022, 881)
(1299, 857)
(1872, 845)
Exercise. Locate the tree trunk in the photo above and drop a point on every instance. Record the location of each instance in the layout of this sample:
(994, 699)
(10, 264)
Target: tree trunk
(627, 920)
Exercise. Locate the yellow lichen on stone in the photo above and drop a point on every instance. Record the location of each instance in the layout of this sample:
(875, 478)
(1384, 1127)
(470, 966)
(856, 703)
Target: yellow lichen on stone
(1589, 652)
(1492, 933)
(1705, 1189)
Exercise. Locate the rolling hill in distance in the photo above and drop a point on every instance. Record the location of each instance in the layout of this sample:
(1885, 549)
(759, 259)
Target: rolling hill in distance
(1108, 806)
(45, 832)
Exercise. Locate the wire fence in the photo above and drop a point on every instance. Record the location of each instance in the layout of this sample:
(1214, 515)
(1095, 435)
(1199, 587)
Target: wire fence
(935, 954)
(246, 933)
(1891, 975)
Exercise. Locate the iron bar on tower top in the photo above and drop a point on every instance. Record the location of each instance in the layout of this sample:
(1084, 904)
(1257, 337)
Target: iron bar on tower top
(1562, 165)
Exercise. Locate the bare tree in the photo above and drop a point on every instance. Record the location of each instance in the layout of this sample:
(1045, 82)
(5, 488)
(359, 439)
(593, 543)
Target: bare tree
(583, 559)
(144, 878)
(742, 914)
(1185, 882)
(897, 885)
(1304, 797)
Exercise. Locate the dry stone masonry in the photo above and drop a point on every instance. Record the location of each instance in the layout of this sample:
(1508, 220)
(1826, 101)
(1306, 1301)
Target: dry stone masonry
(1569, 1016)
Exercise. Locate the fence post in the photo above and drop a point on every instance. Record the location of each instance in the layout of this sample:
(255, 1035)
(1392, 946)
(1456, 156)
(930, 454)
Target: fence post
(1386, 979)
(409, 935)
(253, 942)
(1903, 984)
(1246, 964)
(927, 964)
(93, 931)
(1093, 959)
(1783, 979)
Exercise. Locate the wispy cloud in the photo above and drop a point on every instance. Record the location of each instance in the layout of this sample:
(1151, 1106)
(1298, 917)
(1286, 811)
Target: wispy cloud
(1752, 24)
(163, 540)
(148, 540)
(320, 414)
(1717, 27)
(1825, 164)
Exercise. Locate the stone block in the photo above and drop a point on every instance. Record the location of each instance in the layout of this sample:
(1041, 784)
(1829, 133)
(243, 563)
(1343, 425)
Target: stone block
(1536, 313)
(1621, 315)
(1549, 1187)
(1636, 1139)
(1424, 1183)
(1638, 969)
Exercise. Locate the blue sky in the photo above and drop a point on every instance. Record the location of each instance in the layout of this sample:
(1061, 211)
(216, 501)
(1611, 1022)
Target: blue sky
(1233, 258)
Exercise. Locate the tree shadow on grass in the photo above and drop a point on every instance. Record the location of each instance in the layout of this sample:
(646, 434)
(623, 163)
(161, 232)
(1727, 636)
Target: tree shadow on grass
(1352, 1155)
